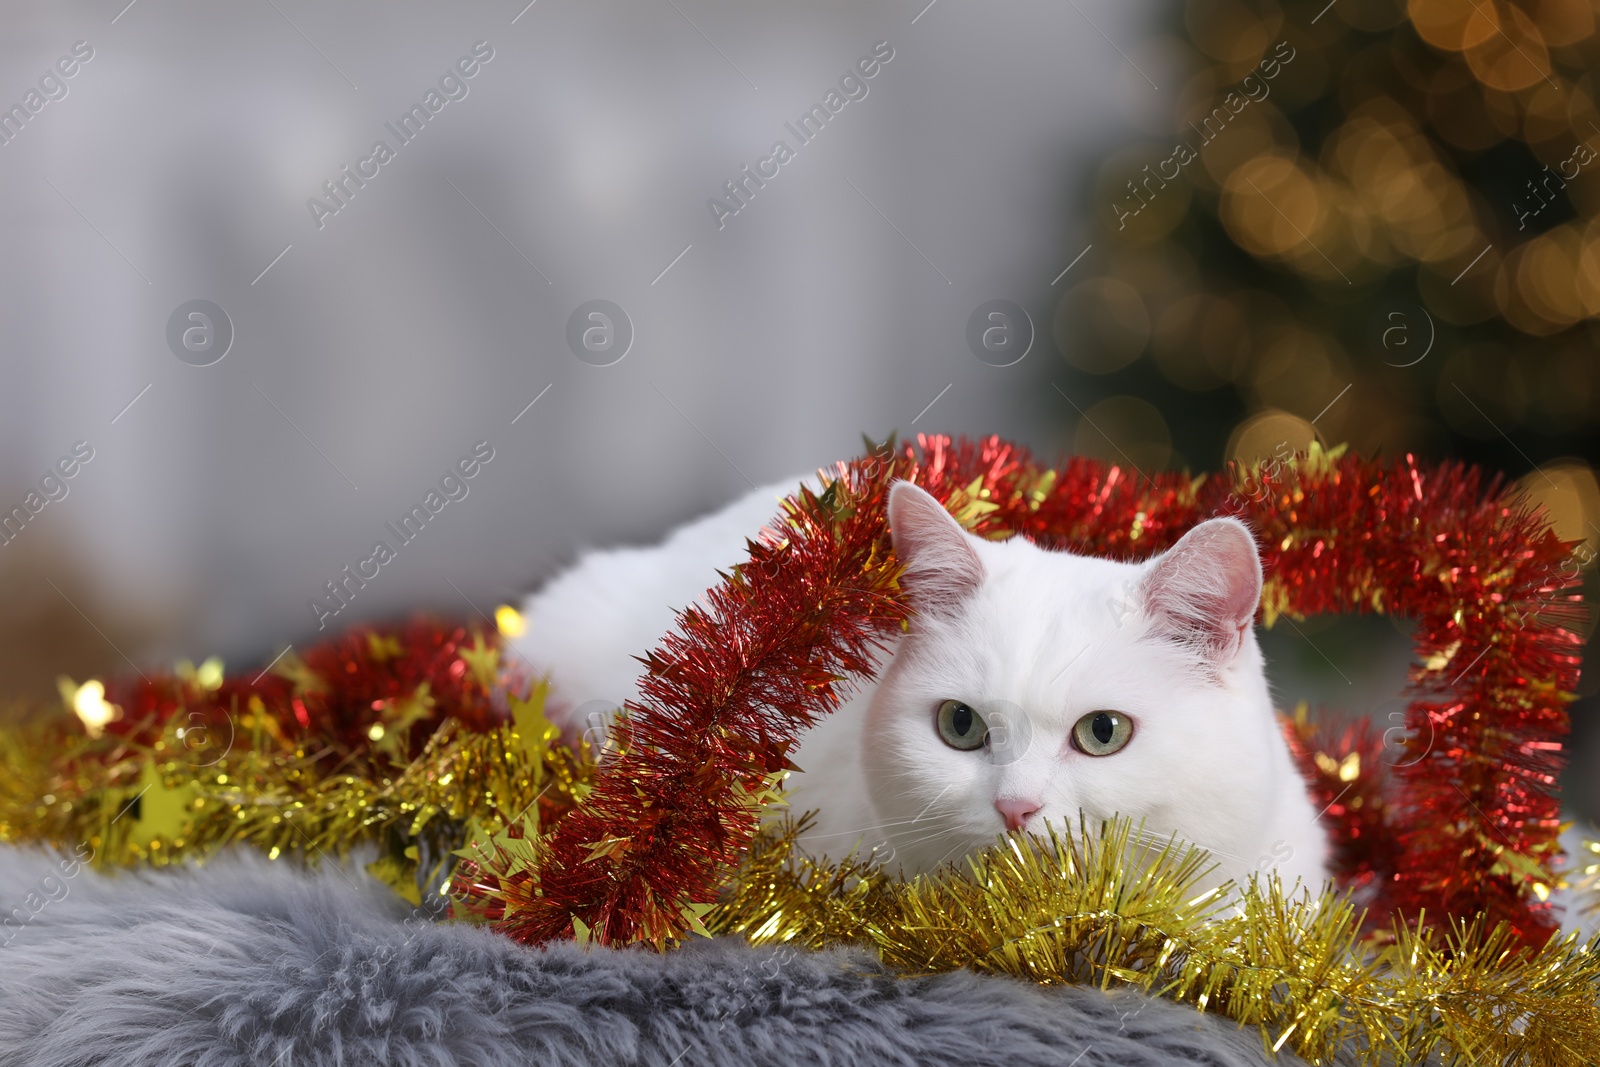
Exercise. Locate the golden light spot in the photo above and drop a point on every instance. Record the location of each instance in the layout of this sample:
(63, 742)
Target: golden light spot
(1230, 31)
(375, 731)
(89, 704)
(508, 620)
(1451, 25)
(1587, 282)
(209, 673)
(1547, 119)
(1295, 369)
(1520, 281)
(1273, 207)
(1569, 493)
(1225, 140)
(1545, 271)
(1441, 659)
(1125, 431)
(1564, 22)
(1512, 56)
(1264, 435)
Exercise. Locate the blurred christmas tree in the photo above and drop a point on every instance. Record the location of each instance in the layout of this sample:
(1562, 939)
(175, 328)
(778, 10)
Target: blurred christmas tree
(1368, 221)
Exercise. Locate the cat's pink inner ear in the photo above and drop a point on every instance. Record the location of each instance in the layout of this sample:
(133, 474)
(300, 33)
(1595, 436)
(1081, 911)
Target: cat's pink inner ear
(1204, 591)
(942, 566)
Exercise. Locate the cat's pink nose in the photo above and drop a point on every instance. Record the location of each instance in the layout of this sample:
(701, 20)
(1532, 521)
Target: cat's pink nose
(1015, 810)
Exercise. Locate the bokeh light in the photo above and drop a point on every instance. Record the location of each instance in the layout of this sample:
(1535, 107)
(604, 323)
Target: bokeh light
(1126, 431)
(1568, 491)
(1422, 159)
(1264, 435)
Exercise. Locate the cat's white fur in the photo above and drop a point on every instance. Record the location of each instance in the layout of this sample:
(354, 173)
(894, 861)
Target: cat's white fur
(1033, 640)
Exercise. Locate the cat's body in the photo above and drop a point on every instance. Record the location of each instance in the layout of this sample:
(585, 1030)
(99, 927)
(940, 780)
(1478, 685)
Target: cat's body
(1032, 685)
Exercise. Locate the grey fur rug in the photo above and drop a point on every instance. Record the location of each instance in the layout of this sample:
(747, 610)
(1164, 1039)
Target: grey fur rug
(246, 962)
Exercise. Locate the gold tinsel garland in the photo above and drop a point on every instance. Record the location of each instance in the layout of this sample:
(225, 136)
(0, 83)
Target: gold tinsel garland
(156, 804)
(1102, 908)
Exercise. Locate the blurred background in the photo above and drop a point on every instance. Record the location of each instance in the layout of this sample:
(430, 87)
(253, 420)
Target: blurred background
(1207, 228)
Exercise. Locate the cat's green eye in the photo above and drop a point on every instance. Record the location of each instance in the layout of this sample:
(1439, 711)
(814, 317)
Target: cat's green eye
(961, 727)
(1100, 733)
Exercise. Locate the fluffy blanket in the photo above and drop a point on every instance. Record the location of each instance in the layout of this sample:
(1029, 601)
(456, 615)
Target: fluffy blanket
(248, 962)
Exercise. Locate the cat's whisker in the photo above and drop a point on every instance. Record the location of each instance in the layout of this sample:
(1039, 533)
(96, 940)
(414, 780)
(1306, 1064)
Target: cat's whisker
(912, 775)
(927, 838)
(947, 853)
(894, 847)
(923, 839)
(928, 816)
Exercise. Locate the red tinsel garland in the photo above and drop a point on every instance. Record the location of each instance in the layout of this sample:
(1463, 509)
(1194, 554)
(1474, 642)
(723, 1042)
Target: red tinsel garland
(331, 695)
(1467, 826)
(1474, 815)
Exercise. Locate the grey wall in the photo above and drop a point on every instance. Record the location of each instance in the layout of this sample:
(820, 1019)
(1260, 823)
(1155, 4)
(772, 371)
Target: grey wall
(427, 312)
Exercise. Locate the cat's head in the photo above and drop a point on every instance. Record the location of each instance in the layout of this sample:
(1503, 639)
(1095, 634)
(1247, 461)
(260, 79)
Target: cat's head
(1034, 684)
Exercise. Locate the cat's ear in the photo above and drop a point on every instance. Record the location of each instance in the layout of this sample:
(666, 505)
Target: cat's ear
(1205, 589)
(942, 566)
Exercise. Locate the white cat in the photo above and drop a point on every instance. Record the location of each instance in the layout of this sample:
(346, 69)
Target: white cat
(1031, 685)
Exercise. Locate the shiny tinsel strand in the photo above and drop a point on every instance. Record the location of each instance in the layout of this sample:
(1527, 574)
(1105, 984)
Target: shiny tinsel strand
(1100, 907)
